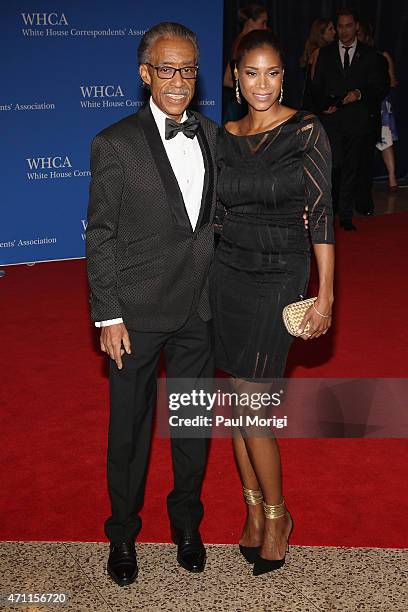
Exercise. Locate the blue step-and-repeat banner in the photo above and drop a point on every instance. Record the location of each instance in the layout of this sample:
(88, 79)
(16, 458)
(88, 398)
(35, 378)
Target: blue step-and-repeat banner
(69, 69)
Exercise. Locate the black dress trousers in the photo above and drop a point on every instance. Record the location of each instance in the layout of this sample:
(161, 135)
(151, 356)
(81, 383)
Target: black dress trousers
(188, 353)
(346, 148)
(365, 203)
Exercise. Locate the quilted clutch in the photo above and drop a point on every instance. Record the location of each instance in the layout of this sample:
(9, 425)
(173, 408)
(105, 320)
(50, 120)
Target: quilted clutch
(293, 315)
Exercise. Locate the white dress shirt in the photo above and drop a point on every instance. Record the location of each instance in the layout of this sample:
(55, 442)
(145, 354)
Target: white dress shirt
(352, 50)
(187, 162)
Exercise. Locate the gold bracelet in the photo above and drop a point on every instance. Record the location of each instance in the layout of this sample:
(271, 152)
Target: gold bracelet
(319, 313)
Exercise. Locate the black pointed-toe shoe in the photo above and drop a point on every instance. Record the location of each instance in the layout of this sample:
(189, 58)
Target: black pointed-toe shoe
(252, 498)
(190, 552)
(250, 553)
(261, 565)
(122, 563)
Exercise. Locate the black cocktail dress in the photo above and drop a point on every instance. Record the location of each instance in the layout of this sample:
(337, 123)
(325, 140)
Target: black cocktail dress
(262, 261)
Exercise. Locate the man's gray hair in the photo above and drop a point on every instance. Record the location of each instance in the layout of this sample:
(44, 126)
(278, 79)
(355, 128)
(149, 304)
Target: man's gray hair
(167, 29)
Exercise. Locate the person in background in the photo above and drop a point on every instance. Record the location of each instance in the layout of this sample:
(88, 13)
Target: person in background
(322, 33)
(251, 17)
(388, 127)
(348, 87)
(365, 201)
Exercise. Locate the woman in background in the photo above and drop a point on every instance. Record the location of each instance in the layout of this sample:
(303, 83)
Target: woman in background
(388, 127)
(322, 33)
(271, 164)
(251, 17)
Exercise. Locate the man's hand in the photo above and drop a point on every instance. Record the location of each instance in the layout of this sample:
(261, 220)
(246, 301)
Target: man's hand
(352, 96)
(112, 339)
(330, 110)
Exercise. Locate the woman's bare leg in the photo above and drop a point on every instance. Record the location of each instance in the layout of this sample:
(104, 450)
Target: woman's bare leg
(259, 462)
(389, 161)
(252, 534)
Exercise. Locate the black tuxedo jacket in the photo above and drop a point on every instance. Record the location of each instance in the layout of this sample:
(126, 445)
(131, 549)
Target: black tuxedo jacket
(145, 262)
(367, 72)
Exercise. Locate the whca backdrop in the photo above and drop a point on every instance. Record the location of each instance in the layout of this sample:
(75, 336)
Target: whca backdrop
(69, 69)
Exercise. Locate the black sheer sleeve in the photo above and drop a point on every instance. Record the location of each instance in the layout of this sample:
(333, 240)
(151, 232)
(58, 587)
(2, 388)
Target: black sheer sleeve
(317, 173)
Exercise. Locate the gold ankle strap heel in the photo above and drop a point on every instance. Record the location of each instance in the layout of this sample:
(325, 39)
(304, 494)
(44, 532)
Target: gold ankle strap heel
(252, 498)
(274, 512)
(261, 565)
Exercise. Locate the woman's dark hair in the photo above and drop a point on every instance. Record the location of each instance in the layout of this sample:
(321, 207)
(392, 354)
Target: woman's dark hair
(256, 39)
(252, 11)
(368, 31)
(315, 39)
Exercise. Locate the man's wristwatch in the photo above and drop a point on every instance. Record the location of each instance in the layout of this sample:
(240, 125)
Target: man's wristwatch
(359, 94)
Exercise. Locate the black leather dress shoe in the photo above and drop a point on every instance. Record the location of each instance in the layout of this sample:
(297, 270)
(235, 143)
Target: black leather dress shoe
(122, 563)
(191, 551)
(347, 225)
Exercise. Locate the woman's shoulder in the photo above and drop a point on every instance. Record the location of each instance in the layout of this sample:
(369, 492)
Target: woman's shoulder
(308, 124)
(232, 127)
(306, 117)
(298, 120)
(224, 135)
(313, 61)
(314, 55)
(387, 56)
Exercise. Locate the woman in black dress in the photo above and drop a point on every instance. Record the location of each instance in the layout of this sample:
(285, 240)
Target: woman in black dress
(272, 164)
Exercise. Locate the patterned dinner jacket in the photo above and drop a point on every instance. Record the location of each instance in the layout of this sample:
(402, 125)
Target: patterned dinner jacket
(145, 262)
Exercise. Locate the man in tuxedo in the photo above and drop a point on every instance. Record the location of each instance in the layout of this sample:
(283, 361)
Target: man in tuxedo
(149, 249)
(348, 86)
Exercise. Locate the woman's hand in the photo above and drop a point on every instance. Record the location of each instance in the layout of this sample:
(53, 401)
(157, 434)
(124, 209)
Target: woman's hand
(319, 325)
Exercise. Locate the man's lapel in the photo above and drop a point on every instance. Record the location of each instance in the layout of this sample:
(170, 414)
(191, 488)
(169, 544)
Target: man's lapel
(208, 186)
(357, 56)
(171, 187)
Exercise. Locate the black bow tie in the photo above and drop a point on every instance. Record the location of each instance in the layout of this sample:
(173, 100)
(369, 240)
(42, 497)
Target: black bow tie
(188, 127)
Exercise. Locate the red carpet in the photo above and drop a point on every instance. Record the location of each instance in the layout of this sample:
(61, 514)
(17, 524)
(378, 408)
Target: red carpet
(55, 412)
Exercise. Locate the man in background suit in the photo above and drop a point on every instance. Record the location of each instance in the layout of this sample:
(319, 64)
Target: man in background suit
(365, 202)
(149, 249)
(348, 86)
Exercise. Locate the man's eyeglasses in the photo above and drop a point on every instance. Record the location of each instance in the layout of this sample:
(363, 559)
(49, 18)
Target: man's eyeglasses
(168, 72)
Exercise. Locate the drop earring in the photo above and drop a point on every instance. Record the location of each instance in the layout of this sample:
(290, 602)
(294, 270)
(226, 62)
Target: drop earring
(237, 94)
(281, 94)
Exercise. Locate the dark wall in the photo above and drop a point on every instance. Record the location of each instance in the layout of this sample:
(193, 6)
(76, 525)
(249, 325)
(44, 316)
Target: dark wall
(290, 20)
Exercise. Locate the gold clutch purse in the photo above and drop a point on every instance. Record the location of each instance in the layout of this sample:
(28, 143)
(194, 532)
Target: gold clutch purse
(293, 315)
